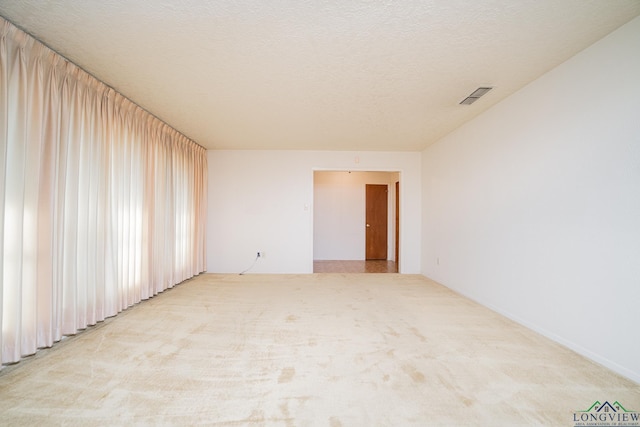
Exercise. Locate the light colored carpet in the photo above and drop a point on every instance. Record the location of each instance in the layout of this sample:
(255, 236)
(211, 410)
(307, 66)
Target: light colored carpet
(298, 350)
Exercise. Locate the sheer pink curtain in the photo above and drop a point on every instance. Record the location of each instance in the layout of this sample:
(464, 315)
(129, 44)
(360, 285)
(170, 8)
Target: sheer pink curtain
(102, 205)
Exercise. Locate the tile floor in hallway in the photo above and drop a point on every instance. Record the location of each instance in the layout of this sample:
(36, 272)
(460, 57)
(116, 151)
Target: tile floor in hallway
(360, 266)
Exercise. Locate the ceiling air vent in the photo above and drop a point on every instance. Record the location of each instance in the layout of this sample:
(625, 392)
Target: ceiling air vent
(475, 95)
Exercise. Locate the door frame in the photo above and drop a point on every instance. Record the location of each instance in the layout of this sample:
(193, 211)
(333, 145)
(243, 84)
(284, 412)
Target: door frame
(397, 225)
(397, 212)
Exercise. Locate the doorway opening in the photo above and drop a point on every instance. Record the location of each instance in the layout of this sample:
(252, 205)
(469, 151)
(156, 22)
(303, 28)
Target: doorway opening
(356, 222)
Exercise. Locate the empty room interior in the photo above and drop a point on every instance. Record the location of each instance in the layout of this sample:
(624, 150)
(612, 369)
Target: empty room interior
(337, 213)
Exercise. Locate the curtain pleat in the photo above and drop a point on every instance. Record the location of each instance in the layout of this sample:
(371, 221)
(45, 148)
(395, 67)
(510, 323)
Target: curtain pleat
(102, 204)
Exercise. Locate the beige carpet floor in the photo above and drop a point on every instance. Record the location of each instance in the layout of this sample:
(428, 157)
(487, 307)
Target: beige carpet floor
(307, 350)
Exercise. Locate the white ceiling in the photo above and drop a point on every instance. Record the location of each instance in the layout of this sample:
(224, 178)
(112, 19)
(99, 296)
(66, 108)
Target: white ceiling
(317, 74)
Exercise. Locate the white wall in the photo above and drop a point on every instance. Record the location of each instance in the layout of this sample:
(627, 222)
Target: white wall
(339, 213)
(533, 208)
(263, 201)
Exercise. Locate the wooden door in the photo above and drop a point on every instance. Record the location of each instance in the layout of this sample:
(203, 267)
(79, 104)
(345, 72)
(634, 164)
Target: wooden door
(376, 221)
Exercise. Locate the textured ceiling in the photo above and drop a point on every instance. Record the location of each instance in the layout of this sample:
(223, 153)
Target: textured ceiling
(313, 74)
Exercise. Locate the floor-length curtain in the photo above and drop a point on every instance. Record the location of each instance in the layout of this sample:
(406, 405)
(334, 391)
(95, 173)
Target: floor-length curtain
(101, 204)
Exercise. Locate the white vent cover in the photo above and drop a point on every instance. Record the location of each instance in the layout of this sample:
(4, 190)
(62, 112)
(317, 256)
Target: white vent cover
(475, 95)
